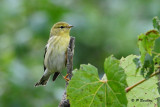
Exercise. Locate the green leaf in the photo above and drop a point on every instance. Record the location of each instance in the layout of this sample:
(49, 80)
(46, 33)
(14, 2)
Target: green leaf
(141, 44)
(158, 100)
(138, 64)
(148, 66)
(146, 43)
(116, 81)
(146, 91)
(156, 60)
(113, 71)
(156, 23)
(85, 89)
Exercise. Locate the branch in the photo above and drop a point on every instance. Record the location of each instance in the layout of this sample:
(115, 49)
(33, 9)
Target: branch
(70, 51)
(155, 53)
(140, 82)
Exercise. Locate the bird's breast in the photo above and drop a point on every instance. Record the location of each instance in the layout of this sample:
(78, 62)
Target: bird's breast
(55, 55)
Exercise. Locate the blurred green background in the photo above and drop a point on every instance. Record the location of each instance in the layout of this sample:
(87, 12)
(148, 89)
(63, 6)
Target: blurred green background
(102, 28)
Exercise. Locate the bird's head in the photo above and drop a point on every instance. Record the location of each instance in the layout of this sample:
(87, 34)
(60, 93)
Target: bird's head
(60, 29)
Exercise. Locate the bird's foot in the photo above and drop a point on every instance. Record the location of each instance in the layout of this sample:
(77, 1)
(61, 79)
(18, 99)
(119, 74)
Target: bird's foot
(66, 78)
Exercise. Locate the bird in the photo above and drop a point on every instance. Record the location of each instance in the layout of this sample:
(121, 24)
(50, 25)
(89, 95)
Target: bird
(55, 57)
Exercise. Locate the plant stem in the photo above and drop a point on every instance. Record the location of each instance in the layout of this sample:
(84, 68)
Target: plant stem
(70, 52)
(131, 87)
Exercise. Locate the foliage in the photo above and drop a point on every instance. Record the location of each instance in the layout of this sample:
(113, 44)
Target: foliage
(156, 23)
(24, 31)
(86, 89)
(145, 94)
(146, 45)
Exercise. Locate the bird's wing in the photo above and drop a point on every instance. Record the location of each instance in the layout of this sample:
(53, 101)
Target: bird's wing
(44, 58)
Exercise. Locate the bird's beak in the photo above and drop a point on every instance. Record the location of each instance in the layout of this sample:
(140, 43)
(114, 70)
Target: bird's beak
(70, 26)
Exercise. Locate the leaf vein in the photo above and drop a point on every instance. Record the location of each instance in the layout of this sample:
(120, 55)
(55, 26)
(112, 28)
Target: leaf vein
(95, 95)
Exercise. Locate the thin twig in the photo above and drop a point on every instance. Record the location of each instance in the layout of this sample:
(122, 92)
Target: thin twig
(64, 102)
(155, 53)
(131, 87)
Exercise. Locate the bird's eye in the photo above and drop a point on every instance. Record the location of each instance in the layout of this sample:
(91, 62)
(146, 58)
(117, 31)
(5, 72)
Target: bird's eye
(61, 27)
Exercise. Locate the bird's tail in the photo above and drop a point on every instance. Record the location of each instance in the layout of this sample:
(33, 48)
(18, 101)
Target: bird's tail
(44, 79)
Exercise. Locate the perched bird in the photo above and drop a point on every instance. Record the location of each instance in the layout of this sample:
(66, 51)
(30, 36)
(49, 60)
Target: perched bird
(55, 57)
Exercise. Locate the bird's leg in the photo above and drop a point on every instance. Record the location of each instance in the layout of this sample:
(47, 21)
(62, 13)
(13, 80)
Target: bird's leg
(65, 77)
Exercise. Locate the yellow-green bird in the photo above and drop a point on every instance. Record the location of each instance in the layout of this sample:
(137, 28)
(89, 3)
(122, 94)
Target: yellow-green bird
(55, 56)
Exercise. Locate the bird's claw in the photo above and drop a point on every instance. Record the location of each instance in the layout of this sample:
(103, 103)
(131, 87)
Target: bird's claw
(66, 78)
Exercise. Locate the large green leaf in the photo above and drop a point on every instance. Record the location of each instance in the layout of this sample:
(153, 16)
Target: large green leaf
(85, 89)
(143, 95)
